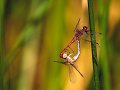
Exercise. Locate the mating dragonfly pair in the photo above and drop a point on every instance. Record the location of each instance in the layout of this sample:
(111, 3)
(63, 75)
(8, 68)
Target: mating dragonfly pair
(66, 55)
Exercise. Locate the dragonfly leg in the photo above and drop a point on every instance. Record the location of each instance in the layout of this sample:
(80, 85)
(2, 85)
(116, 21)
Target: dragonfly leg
(90, 41)
(60, 62)
(77, 70)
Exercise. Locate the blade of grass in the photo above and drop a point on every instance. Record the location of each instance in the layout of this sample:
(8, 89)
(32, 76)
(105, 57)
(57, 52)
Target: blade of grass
(93, 44)
(2, 42)
(103, 14)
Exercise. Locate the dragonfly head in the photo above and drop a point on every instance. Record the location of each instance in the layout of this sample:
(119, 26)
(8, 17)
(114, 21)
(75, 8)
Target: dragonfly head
(63, 55)
(85, 29)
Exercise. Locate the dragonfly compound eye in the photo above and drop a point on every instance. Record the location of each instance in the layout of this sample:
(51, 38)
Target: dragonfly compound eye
(84, 27)
(61, 55)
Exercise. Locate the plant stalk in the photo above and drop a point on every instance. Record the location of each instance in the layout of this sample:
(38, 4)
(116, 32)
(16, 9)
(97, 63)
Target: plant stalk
(103, 22)
(93, 45)
(2, 44)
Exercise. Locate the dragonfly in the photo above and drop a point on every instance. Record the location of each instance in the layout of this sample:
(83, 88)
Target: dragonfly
(78, 34)
(70, 60)
(65, 53)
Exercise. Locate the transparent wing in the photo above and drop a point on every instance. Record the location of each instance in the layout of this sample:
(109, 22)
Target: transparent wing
(76, 68)
(71, 74)
(76, 27)
(86, 37)
(97, 33)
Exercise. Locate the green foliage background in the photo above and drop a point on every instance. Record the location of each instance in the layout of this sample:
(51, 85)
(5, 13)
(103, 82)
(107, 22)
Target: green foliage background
(33, 33)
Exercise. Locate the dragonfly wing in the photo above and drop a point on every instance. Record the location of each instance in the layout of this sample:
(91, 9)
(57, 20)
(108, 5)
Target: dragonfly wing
(75, 67)
(76, 27)
(71, 73)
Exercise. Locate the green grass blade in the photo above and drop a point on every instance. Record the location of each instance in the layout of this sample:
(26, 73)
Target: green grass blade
(2, 42)
(93, 44)
(103, 22)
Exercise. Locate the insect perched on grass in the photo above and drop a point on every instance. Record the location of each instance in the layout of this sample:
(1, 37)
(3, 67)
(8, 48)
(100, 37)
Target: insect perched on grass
(78, 34)
(66, 55)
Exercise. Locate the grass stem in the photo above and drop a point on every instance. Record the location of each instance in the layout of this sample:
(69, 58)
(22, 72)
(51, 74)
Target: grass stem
(93, 44)
(103, 22)
(2, 42)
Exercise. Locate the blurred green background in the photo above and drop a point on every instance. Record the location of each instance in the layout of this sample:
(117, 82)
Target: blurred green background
(34, 32)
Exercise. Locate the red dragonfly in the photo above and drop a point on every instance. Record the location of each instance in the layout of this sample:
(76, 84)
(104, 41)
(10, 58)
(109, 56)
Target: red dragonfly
(69, 60)
(65, 54)
(78, 34)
